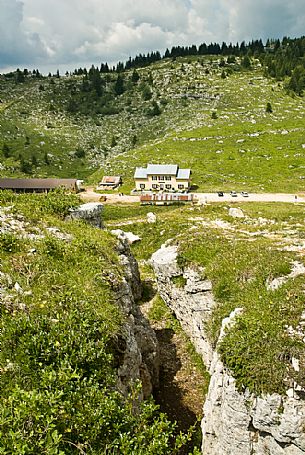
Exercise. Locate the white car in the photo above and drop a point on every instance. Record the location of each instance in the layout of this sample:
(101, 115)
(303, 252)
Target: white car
(244, 194)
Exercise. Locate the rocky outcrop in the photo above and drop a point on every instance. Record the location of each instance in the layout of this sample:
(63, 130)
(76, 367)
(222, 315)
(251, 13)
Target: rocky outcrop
(123, 235)
(234, 423)
(243, 424)
(236, 212)
(137, 346)
(90, 212)
(192, 303)
(297, 269)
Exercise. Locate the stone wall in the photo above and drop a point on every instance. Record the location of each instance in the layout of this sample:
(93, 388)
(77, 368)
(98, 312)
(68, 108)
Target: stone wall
(234, 423)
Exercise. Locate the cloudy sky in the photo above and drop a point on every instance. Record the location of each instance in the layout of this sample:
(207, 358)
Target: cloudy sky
(51, 34)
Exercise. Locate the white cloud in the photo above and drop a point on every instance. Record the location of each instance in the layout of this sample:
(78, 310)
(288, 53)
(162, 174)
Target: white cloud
(15, 41)
(42, 32)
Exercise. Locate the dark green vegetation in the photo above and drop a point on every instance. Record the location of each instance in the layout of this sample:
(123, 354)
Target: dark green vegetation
(59, 328)
(241, 256)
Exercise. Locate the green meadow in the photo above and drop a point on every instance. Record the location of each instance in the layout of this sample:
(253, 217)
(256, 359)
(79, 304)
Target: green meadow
(244, 148)
(217, 126)
(240, 256)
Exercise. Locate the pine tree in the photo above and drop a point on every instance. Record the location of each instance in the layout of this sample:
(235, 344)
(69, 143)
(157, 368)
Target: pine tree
(119, 85)
(154, 110)
(19, 76)
(246, 63)
(113, 142)
(135, 76)
(268, 108)
(146, 93)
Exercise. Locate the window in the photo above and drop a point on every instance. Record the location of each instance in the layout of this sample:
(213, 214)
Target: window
(180, 187)
(154, 177)
(168, 177)
(154, 186)
(161, 177)
(168, 187)
(142, 186)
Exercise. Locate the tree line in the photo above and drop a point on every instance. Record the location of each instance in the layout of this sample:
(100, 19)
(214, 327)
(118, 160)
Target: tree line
(280, 59)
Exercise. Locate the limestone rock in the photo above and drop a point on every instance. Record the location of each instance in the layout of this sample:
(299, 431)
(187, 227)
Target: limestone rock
(297, 269)
(234, 423)
(151, 217)
(18, 288)
(164, 262)
(236, 212)
(129, 236)
(191, 304)
(90, 212)
(137, 344)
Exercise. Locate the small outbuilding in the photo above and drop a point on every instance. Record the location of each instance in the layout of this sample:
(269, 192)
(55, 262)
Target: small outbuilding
(110, 182)
(38, 185)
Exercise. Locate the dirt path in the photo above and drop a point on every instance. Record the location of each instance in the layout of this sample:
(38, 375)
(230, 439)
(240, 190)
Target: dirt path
(90, 196)
(252, 197)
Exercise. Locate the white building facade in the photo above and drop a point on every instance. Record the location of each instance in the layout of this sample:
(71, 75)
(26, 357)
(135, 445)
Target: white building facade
(162, 177)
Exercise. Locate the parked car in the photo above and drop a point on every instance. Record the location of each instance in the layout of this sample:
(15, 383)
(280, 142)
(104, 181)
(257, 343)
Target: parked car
(220, 193)
(233, 193)
(244, 194)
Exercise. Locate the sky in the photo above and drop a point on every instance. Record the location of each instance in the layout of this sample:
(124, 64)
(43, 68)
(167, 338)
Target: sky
(67, 34)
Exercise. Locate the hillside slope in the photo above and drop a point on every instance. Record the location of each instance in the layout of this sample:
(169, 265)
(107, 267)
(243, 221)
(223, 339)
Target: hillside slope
(242, 145)
(74, 346)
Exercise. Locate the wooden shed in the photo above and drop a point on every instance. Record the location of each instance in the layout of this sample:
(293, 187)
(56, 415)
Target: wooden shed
(110, 182)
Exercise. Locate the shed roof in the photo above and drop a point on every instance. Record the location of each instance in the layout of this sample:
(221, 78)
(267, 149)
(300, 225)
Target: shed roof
(162, 169)
(35, 184)
(111, 180)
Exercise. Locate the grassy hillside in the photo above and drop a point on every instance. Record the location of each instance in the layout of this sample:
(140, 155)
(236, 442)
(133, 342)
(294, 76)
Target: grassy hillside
(59, 335)
(242, 257)
(244, 148)
(241, 147)
(35, 120)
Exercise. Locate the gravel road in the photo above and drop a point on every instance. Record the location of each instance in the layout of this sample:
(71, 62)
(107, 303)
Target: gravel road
(90, 196)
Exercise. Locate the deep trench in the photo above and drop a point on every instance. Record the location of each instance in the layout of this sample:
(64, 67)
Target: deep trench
(179, 394)
(169, 396)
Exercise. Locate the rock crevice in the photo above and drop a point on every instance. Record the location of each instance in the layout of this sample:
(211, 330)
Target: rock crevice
(140, 357)
(234, 423)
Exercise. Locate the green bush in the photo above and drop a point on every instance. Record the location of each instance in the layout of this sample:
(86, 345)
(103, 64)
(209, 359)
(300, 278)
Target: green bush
(58, 357)
(9, 242)
(179, 281)
(55, 202)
